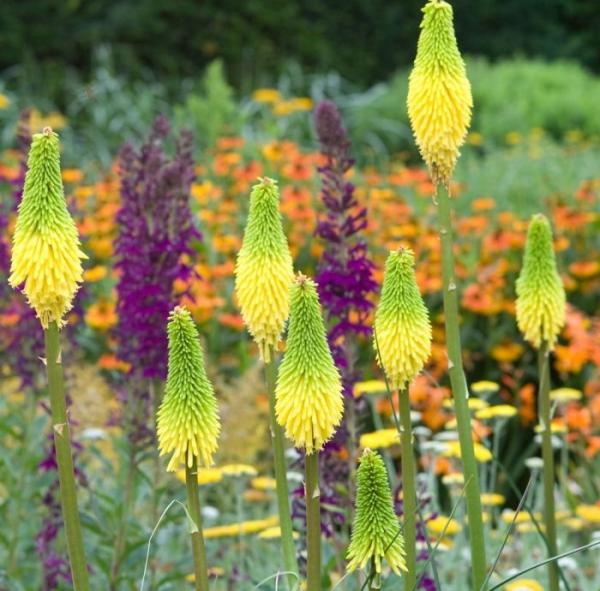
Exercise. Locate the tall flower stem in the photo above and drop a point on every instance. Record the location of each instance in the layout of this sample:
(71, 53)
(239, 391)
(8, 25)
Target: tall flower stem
(459, 390)
(283, 503)
(548, 457)
(62, 442)
(198, 549)
(313, 522)
(409, 491)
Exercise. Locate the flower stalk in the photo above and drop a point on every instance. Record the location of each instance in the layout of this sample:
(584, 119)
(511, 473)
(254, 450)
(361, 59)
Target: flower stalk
(282, 489)
(459, 390)
(540, 316)
(313, 522)
(64, 457)
(548, 458)
(198, 548)
(409, 491)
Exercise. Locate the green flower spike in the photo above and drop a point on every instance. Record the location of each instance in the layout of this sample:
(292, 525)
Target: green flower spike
(402, 327)
(264, 269)
(376, 531)
(46, 253)
(309, 401)
(188, 420)
(540, 291)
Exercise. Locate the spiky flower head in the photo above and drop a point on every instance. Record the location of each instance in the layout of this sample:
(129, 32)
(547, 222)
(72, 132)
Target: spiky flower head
(46, 253)
(309, 402)
(402, 334)
(540, 291)
(376, 531)
(188, 419)
(439, 93)
(264, 269)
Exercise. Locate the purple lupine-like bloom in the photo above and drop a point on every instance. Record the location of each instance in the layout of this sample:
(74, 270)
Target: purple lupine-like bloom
(156, 230)
(345, 282)
(345, 275)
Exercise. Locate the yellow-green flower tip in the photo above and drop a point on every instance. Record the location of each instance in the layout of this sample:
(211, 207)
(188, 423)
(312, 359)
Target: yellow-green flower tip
(439, 93)
(540, 291)
(402, 329)
(264, 269)
(188, 419)
(376, 531)
(309, 402)
(46, 253)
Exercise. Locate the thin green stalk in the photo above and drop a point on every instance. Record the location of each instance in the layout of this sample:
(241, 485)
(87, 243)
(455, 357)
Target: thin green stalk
(459, 391)
(198, 549)
(313, 522)
(283, 503)
(156, 388)
(409, 491)
(64, 458)
(548, 457)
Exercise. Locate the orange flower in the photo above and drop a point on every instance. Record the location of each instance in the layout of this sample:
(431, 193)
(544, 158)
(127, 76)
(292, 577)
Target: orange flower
(101, 247)
(72, 175)
(111, 362)
(101, 315)
(527, 408)
(585, 269)
(94, 274)
(9, 319)
(234, 321)
(230, 143)
(507, 352)
(483, 204)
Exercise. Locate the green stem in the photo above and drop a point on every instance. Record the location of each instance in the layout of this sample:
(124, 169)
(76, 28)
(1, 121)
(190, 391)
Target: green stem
(64, 458)
(283, 503)
(459, 391)
(409, 491)
(313, 522)
(198, 549)
(548, 457)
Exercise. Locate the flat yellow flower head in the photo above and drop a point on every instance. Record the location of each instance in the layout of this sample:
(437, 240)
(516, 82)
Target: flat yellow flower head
(402, 335)
(540, 292)
(46, 253)
(309, 401)
(188, 419)
(264, 269)
(439, 93)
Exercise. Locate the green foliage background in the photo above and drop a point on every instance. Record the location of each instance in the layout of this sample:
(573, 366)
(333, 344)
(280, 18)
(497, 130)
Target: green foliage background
(363, 40)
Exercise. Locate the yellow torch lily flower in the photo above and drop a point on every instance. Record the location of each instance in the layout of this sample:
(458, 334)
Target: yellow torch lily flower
(309, 402)
(188, 419)
(264, 270)
(540, 292)
(46, 253)
(439, 93)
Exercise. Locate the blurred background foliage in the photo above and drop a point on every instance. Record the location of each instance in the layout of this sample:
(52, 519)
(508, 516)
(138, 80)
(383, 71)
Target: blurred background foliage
(364, 41)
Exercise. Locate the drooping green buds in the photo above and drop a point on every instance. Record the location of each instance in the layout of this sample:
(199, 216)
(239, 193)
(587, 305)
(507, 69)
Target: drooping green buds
(309, 402)
(540, 291)
(439, 93)
(376, 530)
(264, 269)
(187, 420)
(402, 333)
(46, 254)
